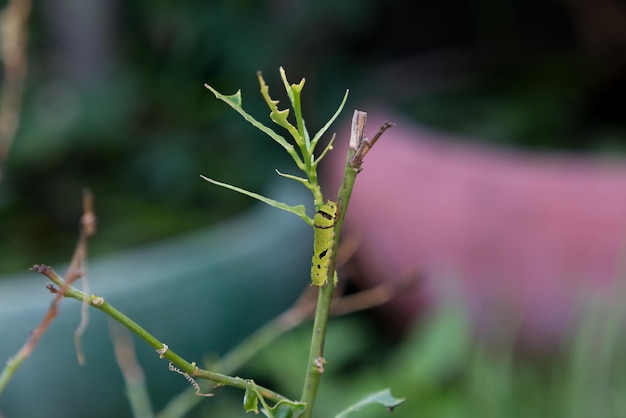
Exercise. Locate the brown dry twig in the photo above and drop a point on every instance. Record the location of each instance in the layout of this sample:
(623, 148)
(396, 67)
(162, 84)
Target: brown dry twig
(134, 377)
(375, 296)
(88, 229)
(13, 24)
(125, 353)
(74, 272)
(363, 145)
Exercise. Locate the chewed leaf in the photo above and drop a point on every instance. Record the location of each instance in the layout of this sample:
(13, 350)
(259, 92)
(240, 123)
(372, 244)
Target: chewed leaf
(291, 88)
(279, 117)
(297, 210)
(235, 101)
(382, 397)
(294, 91)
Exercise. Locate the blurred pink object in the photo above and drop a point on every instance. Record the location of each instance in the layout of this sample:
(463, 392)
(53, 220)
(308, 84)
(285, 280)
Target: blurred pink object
(518, 236)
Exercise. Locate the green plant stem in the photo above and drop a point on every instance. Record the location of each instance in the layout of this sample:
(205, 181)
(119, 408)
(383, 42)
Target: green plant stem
(9, 370)
(185, 366)
(345, 192)
(238, 356)
(316, 361)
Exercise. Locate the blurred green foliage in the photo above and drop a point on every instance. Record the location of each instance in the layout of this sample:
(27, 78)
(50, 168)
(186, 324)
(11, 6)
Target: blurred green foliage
(444, 372)
(117, 104)
(141, 131)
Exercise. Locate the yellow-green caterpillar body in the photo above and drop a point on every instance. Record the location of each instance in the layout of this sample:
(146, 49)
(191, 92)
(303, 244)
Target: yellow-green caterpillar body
(323, 225)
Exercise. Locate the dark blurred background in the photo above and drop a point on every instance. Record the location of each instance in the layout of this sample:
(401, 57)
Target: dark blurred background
(114, 101)
(114, 97)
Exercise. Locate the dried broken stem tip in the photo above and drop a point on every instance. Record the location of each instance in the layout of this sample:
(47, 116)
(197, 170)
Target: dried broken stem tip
(359, 143)
(40, 268)
(358, 126)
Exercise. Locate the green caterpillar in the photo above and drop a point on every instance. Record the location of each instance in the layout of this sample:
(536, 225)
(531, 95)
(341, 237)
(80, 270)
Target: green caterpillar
(323, 223)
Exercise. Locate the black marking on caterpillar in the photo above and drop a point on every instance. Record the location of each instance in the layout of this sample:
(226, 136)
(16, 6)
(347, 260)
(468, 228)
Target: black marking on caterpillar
(323, 223)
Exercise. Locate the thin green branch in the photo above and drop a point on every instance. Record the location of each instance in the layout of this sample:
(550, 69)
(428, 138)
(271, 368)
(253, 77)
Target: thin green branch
(13, 364)
(243, 352)
(162, 349)
(316, 361)
(327, 149)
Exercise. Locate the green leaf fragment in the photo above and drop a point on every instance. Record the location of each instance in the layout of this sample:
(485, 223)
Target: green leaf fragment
(322, 131)
(279, 117)
(294, 91)
(287, 409)
(291, 88)
(382, 397)
(301, 149)
(251, 400)
(235, 101)
(297, 210)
